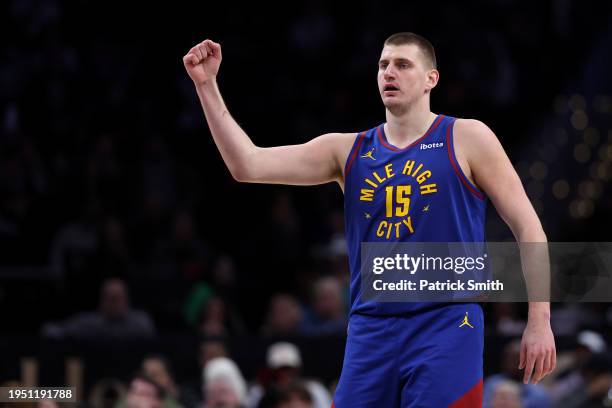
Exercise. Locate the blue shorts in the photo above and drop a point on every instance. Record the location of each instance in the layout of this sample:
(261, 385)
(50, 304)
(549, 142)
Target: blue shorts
(432, 359)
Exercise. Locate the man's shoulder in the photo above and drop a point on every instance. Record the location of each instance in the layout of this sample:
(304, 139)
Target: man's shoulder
(341, 143)
(347, 140)
(470, 126)
(136, 315)
(86, 318)
(472, 134)
(342, 136)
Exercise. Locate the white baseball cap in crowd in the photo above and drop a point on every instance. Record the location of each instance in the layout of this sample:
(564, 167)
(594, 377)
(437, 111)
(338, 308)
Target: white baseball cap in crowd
(592, 340)
(283, 354)
(224, 369)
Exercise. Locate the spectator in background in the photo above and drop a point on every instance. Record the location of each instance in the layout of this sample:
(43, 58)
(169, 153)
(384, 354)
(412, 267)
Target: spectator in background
(336, 245)
(216, 319)
(22, 180)
(157, 368)
(572, 376)
(107, 393)
(506, 394)
(212, 310)
(284, 224)
(143, 393)
(113, 320)
(157, 196)
(295, 396)
(532, 395)
(47, 404)
(208, 349)
(105, 179)
(148, 227)
(284, 317)
(282, 242)
(569, 363)
(223, 385)
(113, 253)
(184, 255)
(335, 252)
(284, 364)
(507, 322)
(328, 314)
(569, 318)
(74, 244)
(331, 236)
(212, 320)
(195, 302)
(593, 386)
(158, 172)
(224, 278)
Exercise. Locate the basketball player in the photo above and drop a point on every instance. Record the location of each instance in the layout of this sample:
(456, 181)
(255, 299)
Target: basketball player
(428, 178)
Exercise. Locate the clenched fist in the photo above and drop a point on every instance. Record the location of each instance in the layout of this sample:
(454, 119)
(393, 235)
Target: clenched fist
(202, 61)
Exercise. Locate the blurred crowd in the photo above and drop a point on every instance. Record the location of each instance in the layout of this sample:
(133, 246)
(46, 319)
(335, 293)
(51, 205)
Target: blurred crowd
(118, 220)
(583, 378)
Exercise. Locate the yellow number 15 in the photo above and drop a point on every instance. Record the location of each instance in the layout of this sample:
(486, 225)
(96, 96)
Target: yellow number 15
(402, 200)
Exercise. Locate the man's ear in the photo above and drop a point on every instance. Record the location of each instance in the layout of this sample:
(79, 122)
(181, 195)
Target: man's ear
(433, 76)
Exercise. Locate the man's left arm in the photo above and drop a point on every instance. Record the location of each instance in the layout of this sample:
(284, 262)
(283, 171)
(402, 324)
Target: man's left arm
(484, 162)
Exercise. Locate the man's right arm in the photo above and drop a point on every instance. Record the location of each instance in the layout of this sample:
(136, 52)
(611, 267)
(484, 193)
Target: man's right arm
(319, 161)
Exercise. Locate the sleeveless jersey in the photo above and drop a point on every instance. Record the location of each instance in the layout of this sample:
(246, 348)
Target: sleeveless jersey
(415, 194)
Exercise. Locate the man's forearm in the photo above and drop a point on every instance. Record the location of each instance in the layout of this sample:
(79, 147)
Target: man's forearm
(536, 267)
(233, 143)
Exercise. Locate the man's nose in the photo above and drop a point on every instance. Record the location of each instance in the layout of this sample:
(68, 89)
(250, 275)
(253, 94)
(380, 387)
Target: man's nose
(389, 73)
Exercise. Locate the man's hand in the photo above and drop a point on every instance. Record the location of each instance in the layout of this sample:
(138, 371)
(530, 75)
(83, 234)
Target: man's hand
(537, 350)
(202, 61)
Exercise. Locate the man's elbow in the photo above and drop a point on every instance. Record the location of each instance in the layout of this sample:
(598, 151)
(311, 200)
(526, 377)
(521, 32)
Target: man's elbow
(240, 174)
(245, 169)
(244, 174)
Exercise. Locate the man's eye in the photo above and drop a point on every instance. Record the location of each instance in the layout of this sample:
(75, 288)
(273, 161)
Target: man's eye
(403, 66)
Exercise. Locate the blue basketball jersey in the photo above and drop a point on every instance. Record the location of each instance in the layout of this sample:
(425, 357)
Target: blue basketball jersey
(415, 194)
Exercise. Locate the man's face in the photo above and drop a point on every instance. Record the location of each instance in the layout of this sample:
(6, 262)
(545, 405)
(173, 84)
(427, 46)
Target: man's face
(283, 376)
(404, 75)
(156, 370)
(114, 301)
(141, 394)
(328, 301)
(219, 394)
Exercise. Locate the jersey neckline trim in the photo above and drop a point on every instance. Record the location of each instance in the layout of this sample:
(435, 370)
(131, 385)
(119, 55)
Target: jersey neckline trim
(383, 137)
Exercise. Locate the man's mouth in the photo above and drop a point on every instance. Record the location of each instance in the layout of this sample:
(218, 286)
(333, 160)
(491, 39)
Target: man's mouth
(389, 89)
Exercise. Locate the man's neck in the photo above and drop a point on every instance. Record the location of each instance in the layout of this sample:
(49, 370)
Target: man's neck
(403, 129)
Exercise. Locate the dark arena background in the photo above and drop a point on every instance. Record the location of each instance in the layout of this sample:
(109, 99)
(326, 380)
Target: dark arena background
(115, 202)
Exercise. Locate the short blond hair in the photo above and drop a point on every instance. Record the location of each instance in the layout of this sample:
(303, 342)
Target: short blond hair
(421, 42)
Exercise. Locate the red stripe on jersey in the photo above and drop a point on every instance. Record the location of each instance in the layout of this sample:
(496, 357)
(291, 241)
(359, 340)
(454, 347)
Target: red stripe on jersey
(462, 177)
(354, 154)
(471, 399)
